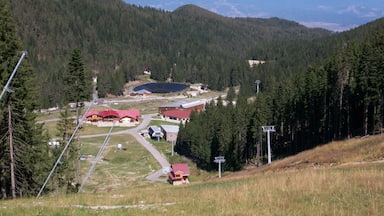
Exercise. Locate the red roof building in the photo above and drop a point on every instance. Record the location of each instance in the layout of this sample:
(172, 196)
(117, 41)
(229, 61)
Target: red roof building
(182, 105)
(179, 174)
(132, 114)
(113, 115)
(110, 115)
(180, 115)
(93, 116)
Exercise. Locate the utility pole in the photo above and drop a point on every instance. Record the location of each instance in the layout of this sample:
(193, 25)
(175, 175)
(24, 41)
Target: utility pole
(172, 151)
(78, 171)
(12, 162)
(269, 129)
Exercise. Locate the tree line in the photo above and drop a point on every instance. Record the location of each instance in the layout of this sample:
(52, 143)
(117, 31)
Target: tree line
(119, 40)
(339, 99)
(18, 129)
(25, 156)
(312, 91)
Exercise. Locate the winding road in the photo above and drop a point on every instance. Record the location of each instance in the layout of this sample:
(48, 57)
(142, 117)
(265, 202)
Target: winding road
(135, 132)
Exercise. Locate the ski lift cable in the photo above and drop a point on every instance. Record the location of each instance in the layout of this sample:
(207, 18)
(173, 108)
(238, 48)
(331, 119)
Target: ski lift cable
(24, 53)
(65, 148)
(97, 158)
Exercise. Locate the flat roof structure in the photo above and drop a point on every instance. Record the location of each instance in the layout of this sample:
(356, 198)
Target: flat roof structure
(174, 104)
(170, 128)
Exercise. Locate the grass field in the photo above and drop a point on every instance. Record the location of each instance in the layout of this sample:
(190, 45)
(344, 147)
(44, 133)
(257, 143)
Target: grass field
(340, 178)
(343, 191)
(349, 184)
(117, 169)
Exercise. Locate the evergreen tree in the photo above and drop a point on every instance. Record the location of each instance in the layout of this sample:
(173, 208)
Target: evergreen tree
(258, 119)
(240, 123)
(231, 94)
(370, 82)
(77, 83)
(223, 129)
(29, 142)
(77, 89)
(65, 178)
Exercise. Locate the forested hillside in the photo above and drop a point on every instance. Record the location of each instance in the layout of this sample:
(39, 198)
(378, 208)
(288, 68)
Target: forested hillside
(118, 41)
(24, 158)
(338, 99)
(315, 86)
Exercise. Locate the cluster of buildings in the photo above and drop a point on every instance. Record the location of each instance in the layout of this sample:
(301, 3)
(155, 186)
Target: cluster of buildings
(180, 110)
(177, 112)
(168, 132)
(107, 118)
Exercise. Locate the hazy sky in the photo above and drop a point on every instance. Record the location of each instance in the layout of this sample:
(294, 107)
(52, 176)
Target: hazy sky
(336, 15)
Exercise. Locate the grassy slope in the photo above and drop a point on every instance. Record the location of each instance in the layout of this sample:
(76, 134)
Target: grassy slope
(341, 178)
(355, 151)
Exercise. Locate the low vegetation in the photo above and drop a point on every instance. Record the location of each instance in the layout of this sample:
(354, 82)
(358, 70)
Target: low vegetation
(327, 93)
(118, 168)
(340, 178)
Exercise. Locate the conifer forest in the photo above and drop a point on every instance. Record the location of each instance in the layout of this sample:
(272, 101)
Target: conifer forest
(316, 86)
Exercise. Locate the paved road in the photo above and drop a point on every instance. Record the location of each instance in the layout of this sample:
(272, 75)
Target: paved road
(135, 132)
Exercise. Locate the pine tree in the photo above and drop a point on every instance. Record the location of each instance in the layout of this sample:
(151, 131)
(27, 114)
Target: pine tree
(231, 94)
(77, 83)
(240, 121)
(77, 89)
(30, 145)
(370, 81)
(65, 178)
(257, 120)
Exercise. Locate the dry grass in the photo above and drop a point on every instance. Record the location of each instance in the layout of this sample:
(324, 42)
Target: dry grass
(343, 191)
(340, 178)
(117, 169)
(357, 150)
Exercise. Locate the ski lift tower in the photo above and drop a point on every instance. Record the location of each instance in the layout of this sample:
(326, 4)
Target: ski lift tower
(24, 53)
(268, 130)
(219, 160)
(257, 82)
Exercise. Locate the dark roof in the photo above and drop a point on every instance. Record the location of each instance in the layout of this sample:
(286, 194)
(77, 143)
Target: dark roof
(154, 128)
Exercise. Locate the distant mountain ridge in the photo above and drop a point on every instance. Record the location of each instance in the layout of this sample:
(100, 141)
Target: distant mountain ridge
(194, 10)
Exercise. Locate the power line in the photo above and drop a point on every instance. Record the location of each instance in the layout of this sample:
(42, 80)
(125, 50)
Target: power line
(65, 148)
(97, 158)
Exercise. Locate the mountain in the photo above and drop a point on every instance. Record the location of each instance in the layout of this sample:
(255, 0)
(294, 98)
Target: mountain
(118, 41)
